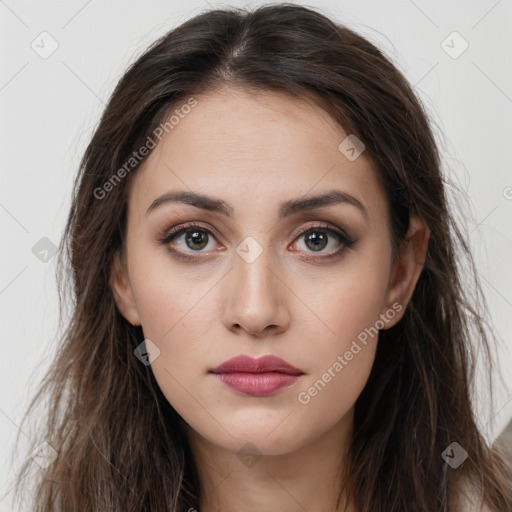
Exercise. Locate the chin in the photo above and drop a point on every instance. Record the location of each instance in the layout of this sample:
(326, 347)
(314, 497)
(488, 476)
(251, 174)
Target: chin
(264, 439)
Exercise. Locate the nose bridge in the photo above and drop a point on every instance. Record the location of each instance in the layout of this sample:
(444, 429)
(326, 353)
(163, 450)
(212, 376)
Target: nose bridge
(257, 294)
(254, 276)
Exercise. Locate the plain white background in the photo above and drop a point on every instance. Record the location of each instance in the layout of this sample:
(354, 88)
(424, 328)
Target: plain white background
(50, 107)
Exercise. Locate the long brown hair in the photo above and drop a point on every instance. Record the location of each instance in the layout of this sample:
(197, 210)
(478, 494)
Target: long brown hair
(120, 444)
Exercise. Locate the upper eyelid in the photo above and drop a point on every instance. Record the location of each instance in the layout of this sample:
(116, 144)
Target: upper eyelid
(323, 226)
(180, 228)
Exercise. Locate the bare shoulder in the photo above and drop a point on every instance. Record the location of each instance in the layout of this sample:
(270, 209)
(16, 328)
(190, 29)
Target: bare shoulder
(463, 504)
(467, 500)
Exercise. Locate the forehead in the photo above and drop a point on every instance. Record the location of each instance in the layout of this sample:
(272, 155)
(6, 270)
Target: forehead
(254, 151)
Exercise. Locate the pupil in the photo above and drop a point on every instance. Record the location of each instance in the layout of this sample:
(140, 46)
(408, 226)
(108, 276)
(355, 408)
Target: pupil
(319, 242)
(198, 238)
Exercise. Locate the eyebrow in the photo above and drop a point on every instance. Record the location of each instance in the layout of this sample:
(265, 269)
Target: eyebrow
(286, 208)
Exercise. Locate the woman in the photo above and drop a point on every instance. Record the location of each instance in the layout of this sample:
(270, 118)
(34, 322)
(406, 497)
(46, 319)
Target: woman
(268, 311)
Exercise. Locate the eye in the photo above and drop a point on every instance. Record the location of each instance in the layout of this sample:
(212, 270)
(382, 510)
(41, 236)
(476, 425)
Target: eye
(317, 238)
(189, 238)
(192, 238)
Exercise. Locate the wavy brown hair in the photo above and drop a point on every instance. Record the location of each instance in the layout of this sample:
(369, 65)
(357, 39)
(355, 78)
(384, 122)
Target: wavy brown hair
(121, 446)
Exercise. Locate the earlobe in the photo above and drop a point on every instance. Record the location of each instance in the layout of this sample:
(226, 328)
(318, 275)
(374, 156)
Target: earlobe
(408, 266)
(122, 290)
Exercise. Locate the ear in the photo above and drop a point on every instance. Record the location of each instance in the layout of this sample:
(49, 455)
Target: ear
(407, 268)
(122, 290)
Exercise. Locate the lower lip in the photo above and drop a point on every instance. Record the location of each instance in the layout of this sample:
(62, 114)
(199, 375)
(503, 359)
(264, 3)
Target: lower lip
(257, 384)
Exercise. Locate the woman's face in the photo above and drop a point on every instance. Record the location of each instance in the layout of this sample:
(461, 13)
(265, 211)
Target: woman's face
(243, 280)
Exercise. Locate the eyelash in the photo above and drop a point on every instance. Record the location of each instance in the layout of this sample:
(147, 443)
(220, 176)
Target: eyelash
(172, 233)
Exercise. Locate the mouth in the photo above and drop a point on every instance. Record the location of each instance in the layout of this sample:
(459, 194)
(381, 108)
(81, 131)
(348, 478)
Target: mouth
(256, 377)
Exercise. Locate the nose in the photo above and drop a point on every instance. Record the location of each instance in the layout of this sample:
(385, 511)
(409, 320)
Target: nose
(256, 297)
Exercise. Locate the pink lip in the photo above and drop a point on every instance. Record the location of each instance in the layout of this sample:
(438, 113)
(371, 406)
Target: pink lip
(256, 377)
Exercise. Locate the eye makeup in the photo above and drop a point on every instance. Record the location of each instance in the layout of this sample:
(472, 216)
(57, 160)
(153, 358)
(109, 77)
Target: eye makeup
(325, 229)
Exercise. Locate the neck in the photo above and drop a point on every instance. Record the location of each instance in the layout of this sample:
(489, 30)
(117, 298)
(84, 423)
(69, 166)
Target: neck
(307, 478)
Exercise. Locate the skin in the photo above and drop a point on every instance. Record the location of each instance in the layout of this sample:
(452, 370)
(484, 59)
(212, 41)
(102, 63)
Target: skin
(255, 151)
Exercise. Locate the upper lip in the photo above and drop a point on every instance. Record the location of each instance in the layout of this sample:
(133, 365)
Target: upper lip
(263, 364)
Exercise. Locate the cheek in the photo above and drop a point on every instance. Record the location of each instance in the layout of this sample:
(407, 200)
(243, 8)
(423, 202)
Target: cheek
(348, 300)
(349, 295)
(175, 304)
(170, 296)
(350, 307)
